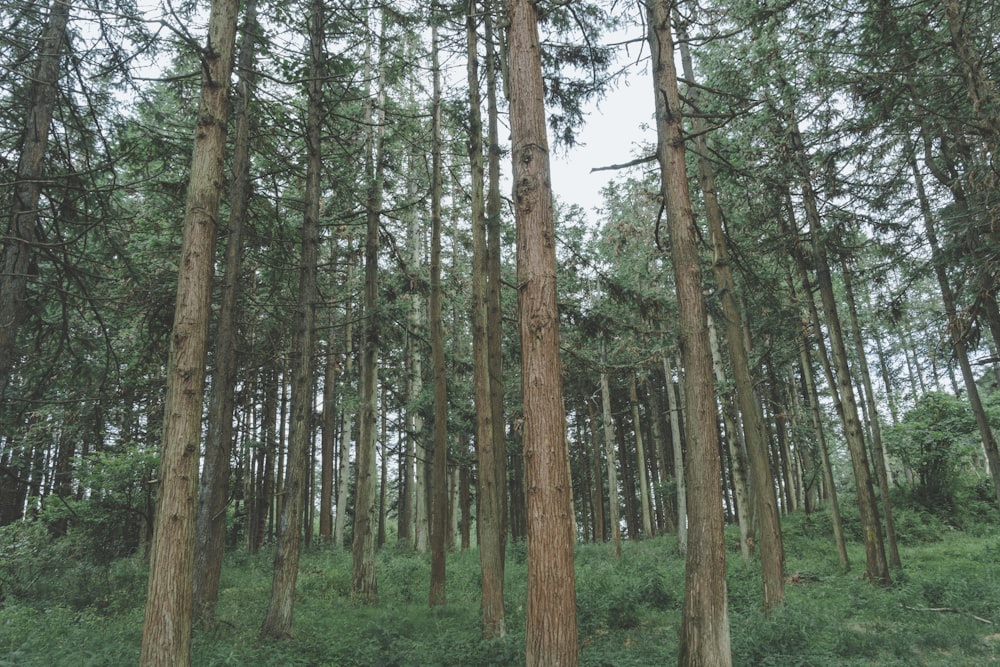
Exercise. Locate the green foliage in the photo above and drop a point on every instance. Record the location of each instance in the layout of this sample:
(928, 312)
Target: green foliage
(934, 439)
(59, 610)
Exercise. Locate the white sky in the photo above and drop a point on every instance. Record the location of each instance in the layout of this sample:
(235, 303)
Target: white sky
(618, 130)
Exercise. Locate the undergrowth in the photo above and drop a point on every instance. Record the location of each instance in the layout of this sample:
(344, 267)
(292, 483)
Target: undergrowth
(942, 609)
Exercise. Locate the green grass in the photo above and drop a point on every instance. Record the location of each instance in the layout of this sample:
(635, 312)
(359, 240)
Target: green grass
(74, 614)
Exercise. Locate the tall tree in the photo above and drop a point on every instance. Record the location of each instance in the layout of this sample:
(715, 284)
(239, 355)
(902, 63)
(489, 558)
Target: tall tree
(20, 236)
(166, 632)
(278, 618)
(364, 585)
(765, 500)
(491, 507)
(705, 618)
(551, 610)
(213, 491)
(439, 477)
(877, 567)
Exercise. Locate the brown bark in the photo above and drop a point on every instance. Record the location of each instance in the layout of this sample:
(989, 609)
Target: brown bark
(704, 619)
(676, 431)
(878, 452)
(210, 525)
(439, 476)
(490, 522)
(614, 507)
(877, 568)
(645, 504)
(551, 635)
(278, 618)
(364, 584)
(166, 636)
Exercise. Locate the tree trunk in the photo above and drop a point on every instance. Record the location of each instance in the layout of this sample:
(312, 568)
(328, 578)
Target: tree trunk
(166, 633)
(210, 525)
(364, 586)
(676, 431)
(957, 333)
(614, 507)
(737, 465)
(328, 436)
(600, 533)
(491, 487)
(817, 420)
(346, 426)
(17, 243)
(878, 452)
(278, 618)
(877, 569)
(551, 635)
(765, 502)
(705, 621)
(494, 313)
(439, 476)
(645, 507)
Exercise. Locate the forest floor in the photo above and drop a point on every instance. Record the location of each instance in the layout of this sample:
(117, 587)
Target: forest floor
(942, 609)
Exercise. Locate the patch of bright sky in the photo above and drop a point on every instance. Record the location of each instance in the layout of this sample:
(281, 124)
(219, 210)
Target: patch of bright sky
(618, 129)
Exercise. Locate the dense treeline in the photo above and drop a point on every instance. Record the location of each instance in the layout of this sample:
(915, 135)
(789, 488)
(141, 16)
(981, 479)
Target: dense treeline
(797, 307)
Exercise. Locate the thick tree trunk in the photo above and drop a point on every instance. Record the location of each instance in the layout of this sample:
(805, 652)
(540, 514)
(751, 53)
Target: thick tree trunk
(17, 243)
(490, 522)
(705, 620)
(439, 476)
(166, 633)
(213, 492)
(551, 636)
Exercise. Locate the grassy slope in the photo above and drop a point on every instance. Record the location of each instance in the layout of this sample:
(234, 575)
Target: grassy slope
(76, 615)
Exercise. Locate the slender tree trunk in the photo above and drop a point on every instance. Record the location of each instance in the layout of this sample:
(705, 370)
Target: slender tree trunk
(877, 568)
(645, 507)
(383, 487)
(494, 314)
(364, 586)
(551, 638)
(166, 633)
(878, 452)
(614, 516)
(346, 426)
(676, 431)
(491, 487)
(439, 477)
(17, 243)
(705, 620)
(213, 492)
(957, 333)
(765, 502)
(600, 533)
(278, 618)
(831, 487)
(328, 437)
(737, 465)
